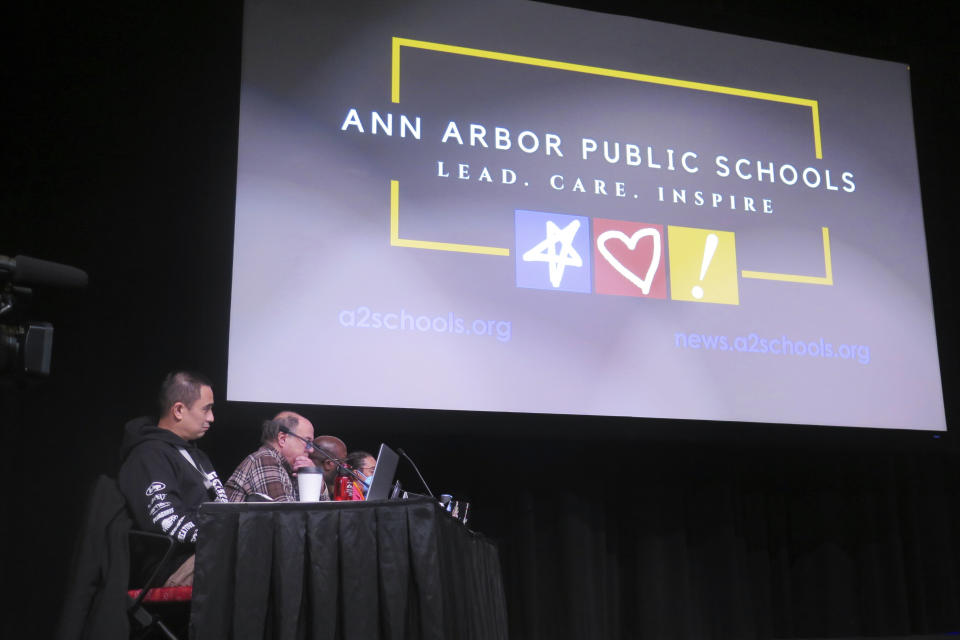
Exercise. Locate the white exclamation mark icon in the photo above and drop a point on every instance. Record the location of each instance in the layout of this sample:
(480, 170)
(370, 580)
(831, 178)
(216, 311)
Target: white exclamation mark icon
(709, 248)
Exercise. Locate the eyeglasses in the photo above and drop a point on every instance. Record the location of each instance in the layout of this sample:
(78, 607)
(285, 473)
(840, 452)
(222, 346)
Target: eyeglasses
(307, 441)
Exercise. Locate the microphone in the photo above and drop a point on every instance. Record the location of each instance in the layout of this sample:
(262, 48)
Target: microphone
(414, 465)
(27, 270)
(344, 469)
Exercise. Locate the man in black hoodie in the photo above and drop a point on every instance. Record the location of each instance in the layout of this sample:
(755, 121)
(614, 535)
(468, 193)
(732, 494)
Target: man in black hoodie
(164, 476)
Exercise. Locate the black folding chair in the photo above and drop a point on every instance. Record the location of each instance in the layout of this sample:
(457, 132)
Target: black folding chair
(98, 594)
(147, 621)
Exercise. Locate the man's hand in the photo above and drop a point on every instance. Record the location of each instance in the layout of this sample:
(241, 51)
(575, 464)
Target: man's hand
(301, 461)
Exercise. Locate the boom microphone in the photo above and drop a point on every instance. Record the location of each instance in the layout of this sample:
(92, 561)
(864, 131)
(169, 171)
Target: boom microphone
(344, 469)
(34, 271)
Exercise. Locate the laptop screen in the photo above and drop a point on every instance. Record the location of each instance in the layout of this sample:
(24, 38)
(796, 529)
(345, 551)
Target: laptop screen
(383, 476)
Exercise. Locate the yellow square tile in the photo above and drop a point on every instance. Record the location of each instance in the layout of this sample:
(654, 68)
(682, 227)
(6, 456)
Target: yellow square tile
(703, 265)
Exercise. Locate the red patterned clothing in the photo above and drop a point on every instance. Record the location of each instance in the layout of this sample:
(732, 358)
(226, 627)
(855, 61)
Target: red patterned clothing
(263, 471)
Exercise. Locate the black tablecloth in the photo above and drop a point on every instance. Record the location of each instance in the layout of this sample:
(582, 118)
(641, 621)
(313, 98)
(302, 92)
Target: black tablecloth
(350, 570)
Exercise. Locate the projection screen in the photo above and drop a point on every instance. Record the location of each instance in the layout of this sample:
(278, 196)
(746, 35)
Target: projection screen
(518, 207)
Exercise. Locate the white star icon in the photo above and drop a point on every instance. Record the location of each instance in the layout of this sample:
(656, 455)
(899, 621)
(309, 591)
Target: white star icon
(557, 260)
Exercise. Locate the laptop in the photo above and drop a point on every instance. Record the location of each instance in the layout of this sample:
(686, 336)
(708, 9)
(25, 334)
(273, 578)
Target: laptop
(382, 482)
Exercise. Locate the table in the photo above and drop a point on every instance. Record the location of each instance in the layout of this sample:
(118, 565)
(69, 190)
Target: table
(344, 570)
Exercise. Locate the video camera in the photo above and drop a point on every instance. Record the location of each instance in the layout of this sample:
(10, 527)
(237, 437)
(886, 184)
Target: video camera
(27, 347)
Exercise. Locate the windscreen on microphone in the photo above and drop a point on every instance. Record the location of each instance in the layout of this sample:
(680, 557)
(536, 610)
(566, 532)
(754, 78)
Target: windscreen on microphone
(34, 271)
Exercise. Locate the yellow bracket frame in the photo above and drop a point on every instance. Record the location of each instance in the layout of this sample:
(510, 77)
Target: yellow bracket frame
(398, 43)
(601, 71)
(397, 241)
(827, 279)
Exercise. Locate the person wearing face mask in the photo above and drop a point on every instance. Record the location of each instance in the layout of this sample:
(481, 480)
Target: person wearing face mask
(285, 442)
(364, 464)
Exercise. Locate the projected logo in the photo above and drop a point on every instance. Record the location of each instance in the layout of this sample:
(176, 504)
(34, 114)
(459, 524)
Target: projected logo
(703, 265)
(553, 251)
(629, 259)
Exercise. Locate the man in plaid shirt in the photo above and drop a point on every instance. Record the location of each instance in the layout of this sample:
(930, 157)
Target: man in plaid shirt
(285, 442)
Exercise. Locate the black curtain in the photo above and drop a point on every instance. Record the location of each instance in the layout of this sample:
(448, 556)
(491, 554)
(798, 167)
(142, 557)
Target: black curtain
(123, 149)
(713, 543)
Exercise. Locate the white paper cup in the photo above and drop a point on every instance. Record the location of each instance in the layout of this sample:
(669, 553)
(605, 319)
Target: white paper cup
(310, 483)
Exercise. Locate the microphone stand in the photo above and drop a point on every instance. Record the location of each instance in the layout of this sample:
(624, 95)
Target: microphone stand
(340, 466)
(347, 471)
(414, 464)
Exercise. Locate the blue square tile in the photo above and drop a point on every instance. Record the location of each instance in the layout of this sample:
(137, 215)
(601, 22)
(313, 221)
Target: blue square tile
(553, 251)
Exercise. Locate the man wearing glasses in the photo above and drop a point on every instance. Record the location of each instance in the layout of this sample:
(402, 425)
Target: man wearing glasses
(286, 441)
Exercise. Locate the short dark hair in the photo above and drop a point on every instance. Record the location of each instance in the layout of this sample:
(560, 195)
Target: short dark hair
(271, 428)
(180, 386)
(356, 458)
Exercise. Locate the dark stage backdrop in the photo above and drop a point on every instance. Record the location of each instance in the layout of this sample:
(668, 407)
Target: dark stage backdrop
(123, 160)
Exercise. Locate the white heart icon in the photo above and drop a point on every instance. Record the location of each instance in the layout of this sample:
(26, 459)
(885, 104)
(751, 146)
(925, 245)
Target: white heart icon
(642, 283)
